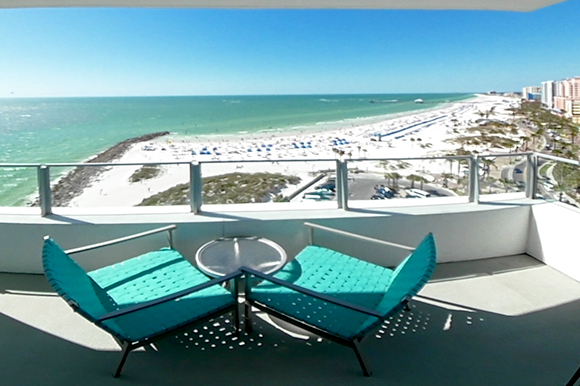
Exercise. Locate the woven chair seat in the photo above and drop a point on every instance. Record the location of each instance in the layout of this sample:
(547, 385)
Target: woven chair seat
(332, 273)
(152, 276)
(142, 299)
(135, 281)
(349, 279)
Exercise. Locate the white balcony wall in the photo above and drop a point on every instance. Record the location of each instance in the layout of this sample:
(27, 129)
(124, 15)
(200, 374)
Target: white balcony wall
(553, 237)
(462, 231)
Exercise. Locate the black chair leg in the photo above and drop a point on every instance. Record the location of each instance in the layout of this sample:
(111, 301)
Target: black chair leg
(126, 351)
(236, 315)
(359, 355)
(574, 378)
(248, 318)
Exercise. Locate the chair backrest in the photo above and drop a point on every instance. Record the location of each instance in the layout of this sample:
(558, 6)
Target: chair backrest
(413, 273)
(408, 279)
(71, 282)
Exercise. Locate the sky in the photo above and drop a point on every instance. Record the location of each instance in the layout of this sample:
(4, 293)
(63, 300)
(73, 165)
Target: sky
(145, 52)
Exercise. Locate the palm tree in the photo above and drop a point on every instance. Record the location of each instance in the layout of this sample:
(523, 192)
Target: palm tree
(487, 163)
(414, 177)
(572, 132)
(394, 178)
(446, 177)
(506, 183)
(490, 181)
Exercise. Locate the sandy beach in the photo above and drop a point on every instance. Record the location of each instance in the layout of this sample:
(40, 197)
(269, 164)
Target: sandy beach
(422, 134)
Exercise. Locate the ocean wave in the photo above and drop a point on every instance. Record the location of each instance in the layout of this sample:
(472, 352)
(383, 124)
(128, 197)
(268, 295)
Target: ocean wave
(329, 100)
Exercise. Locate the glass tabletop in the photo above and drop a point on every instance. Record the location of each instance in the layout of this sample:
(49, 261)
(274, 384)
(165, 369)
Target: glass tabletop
(225, 255)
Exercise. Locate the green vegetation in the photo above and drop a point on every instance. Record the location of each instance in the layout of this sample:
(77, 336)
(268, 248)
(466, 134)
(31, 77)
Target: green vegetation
(567, 176)
(544, 168)
(145, 173)
(557, 126)
(490, 134)
(232, 188)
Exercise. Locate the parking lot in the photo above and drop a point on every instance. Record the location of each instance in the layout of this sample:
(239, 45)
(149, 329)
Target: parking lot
(368, 186)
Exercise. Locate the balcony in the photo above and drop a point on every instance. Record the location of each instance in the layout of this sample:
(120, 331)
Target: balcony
(501, 321)
(502, 307)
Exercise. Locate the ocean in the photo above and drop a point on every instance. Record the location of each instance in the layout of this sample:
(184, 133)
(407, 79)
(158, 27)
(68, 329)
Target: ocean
(52, 130)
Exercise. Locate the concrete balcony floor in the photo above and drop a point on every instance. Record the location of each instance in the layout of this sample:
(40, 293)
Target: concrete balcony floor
(502, 321)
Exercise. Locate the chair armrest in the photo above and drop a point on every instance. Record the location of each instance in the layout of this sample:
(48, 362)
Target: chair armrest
(151, 303)
(356, 236)
(314, 294)
(168, 228)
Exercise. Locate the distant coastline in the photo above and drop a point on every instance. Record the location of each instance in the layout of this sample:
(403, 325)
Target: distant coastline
(71, 130)
(425, 133)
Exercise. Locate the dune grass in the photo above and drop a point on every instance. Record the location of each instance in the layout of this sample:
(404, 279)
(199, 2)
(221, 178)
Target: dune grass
(232, 188)
(145, 173)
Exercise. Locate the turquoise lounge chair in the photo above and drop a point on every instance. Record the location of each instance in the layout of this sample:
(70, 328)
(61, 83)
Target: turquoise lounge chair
(142, 299)
(337, 296)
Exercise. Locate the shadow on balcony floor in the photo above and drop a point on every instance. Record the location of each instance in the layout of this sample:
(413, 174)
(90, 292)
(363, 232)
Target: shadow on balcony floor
(506, 321)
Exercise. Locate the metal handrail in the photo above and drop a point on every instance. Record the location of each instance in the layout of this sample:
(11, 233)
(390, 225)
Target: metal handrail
(357, 236)
(45, 193)
(558, 159)
(168, 228)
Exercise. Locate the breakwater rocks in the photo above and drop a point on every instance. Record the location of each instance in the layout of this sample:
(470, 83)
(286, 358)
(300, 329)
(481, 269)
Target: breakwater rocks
(78, 179)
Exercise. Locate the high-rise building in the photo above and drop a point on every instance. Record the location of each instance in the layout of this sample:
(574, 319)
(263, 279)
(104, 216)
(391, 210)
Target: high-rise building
(567, 97)
(548, 93)
(532, 93)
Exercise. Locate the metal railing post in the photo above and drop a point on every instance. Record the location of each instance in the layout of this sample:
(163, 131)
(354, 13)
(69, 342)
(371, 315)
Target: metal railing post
(195, 187)
(342, 169)
(339, 191)
(474, 179)
(344, 185)
(532, 176)
(44, 192)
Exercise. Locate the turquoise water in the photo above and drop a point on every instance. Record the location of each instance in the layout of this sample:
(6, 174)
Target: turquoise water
(72, 129)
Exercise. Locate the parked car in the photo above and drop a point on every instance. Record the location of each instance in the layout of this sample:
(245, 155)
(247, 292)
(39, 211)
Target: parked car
(315, 196)
(328, 186)
(385, 192)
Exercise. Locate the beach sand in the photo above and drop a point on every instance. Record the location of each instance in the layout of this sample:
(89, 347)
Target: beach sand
(420, 134)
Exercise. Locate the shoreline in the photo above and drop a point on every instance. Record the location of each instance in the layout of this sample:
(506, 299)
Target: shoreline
(419, 133)
(320, 127)
(77, 180)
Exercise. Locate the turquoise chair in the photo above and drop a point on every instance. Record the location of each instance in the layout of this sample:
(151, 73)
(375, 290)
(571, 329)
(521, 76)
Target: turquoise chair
(142, 299)
(337, 296)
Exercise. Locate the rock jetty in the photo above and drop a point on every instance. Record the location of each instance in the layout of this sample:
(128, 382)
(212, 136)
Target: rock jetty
(76, 180)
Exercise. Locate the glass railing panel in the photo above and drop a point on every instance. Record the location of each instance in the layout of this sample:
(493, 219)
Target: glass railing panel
(90, 186)
(18, 186)
(502, 174)
(558, 181)
(408, 179)
(268, 181)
